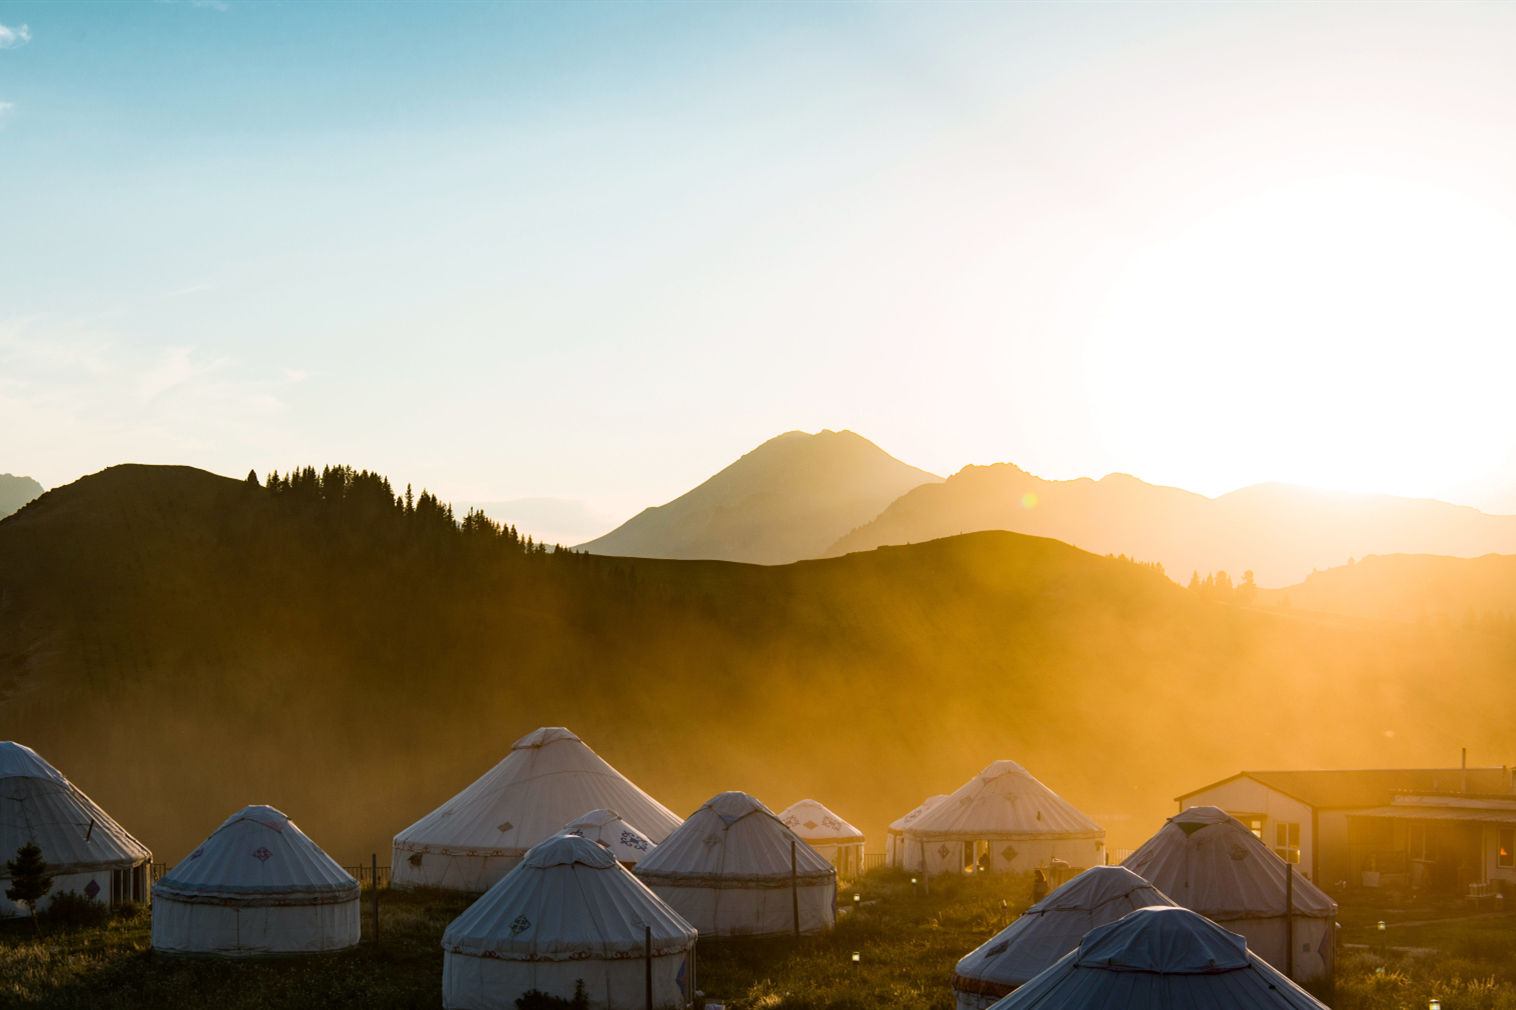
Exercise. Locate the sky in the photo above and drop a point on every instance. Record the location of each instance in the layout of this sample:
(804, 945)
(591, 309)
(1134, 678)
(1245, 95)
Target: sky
(580, 257)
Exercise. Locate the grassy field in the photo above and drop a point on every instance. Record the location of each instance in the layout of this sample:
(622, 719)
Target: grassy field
(907, 941)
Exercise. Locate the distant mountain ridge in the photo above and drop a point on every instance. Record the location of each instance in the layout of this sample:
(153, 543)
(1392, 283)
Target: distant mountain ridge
(1280, 532)
(1419, 588)
(16, 491)
(787, 500)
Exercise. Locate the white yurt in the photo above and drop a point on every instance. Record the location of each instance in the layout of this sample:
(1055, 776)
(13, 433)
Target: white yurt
(895, 853)
(1210, 862)
(611, 833)
(549, 778)
(256, 886)
(86, 852)
(1161, 958)
(838, 842)
(567, 913)
(1047, 931)
(734, 869)
(1002, 821)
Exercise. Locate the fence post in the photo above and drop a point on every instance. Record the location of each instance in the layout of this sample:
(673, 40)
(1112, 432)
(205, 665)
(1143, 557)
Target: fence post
(374, 880)
(794, 887)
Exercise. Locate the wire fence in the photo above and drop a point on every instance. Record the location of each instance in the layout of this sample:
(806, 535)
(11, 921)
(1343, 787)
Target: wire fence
(363, 874)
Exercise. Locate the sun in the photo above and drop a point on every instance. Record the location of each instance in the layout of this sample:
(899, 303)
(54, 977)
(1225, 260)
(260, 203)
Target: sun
(1351, 332)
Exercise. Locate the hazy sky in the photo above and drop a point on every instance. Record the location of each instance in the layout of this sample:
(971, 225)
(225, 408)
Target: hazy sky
(597, 251)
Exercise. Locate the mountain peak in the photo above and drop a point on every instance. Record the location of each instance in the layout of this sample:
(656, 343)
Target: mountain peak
(785, 500)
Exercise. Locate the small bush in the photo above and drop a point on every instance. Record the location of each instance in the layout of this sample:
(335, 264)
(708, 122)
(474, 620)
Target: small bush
(535, 999)
(127, 911)
(73, 911)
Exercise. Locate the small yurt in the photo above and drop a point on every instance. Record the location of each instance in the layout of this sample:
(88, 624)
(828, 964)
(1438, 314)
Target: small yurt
(568, 912)
(549, 778)
(1161, 958)
(1002, 821)
(895, 853)
(1210, 862)
(256, 886)
(86, 852)
(614, 835)
(839, 842)
(1047, 931)
(734, 869)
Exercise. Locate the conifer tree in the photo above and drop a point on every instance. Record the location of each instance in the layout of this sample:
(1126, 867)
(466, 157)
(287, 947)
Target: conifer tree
(30, 880)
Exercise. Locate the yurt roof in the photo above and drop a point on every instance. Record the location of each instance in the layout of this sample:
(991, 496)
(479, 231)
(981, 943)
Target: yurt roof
(1161, 958)
(1004, 801)
(38, 804)
(568, 899)
(1053, 927)
(901, 823)
(1208, 860)
(549, 777)
(258, 856)
(732, 840)
(815, 823)
(611, 832)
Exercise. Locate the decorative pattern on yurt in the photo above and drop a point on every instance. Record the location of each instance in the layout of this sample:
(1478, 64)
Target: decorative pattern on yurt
(838, 842)
(86, 851)
(607, 829)
(568, 913)
(734, 869)
(895, 853)
(549, 778)
(257, 885)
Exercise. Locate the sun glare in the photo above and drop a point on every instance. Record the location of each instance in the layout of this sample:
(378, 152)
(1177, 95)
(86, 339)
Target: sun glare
(1336, 332)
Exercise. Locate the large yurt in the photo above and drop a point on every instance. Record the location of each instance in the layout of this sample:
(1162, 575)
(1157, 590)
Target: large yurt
(256, 886)
(568, 913)
(607, 829)
(1002, 821)
(1210, 862)
(895, 853)
(839, 842)
(85, 850)
(1160, 958)
(734, 869)
(549, 778)
(1047, 931)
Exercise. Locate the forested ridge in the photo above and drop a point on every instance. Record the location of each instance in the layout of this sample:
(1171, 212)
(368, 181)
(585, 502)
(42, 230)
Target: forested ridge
(182, 644)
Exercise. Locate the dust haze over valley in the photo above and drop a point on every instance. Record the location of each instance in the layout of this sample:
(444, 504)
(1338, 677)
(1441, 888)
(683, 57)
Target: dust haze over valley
(313, 642)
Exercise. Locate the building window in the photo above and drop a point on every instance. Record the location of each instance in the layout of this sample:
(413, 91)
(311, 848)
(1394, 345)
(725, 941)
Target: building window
(1505, 851)
(1255, 825)
(1287, 842)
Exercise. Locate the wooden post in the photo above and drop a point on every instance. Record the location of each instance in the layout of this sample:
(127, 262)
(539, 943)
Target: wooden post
(794, 887)
(1289, 921)
(647, 955)
(374, 880)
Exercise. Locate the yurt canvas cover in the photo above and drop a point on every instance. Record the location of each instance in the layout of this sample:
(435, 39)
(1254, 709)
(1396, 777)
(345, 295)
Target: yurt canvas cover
(1047, 931)
(838, 842)
(895, 853)
(1209, 861)
(607, 829)
(1162, 958)
(568, 912)
(85, 850)
(728, 870)
(549, 778)
(1005, 821)
(257, 885)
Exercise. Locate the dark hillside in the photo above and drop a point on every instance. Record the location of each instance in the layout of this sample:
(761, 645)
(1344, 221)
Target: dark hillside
(182, 644)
